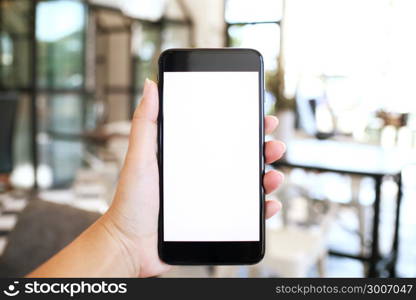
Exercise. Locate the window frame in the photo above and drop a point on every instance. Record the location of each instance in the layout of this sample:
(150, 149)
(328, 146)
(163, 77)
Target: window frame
(85, 90)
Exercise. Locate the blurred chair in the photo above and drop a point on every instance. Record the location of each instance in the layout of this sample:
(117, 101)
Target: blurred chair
(293, 249)
(43, 228)
(361, 211)
(8, 110)
(307, 117)
(292, 252)
(306, 109)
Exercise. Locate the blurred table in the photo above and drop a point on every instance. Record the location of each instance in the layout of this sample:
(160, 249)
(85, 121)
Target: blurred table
(362, 160)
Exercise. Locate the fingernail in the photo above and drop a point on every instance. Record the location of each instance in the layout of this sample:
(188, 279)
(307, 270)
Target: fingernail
(146, 86)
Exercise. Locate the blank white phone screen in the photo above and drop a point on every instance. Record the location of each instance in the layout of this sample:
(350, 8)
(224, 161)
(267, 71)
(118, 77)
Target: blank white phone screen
(211, 156)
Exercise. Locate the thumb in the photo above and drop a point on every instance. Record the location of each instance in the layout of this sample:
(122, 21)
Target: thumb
(143, 134)
(148, 107)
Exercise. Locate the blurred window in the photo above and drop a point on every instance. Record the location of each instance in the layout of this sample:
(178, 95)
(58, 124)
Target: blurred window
(62, 105)
(363, 52)
(60, 33)
(62, 119)
(146, 49)
(91, 62)
(256, 24)
(149, 40)
(15, 70)
(14, 43)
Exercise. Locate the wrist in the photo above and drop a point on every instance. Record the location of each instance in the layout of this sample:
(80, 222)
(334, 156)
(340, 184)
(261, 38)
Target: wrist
(123, 245)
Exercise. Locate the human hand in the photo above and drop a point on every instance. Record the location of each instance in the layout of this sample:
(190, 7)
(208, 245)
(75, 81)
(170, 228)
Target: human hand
(133, 216)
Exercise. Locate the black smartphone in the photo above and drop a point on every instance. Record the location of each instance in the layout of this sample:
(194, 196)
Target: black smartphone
(210, 152)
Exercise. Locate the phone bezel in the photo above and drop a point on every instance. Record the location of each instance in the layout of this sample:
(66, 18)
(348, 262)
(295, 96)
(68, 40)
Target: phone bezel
(211, 253)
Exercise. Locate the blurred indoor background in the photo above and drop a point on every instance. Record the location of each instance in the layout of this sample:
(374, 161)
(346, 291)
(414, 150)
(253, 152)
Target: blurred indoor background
(339, 75)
